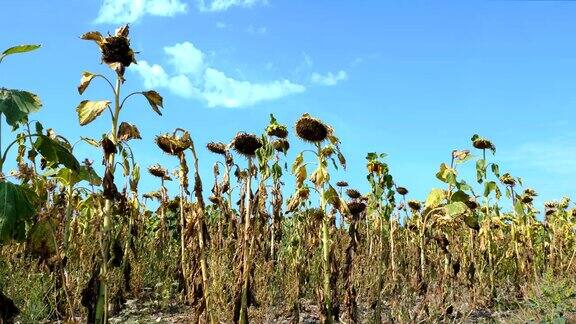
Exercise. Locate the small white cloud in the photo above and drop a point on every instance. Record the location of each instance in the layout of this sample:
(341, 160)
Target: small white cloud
(329, 79)
(129, 11)
(307, 60)
(223, 5)
(221, 25)
(194, 79)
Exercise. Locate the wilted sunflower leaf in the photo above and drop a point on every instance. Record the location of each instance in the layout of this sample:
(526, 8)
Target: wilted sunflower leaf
(69, 177)
(56, 153)
(90, 110)
(128, 131)
(93, 36)
(18, 49)
(16, 105)
(85, 81)
(155, 100)
(18, 206)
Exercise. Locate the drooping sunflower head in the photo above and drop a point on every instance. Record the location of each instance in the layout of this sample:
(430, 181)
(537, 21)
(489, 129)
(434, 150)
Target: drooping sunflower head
(217, 148)
(482, 143)
(342, 184)
(508, 180)
(158, 171)
(311, 129)
(116, 50)
(356, 207)
(353, 193)
(402, 191)
(246, 144)
(281, 145)
(172, 144)
(415, 205)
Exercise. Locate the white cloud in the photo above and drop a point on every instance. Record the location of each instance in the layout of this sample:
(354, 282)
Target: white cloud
(129, 11)
(223, 5)
(193, 78)
(221, 90)
(221, 25)
(185, 58)
(329, 79)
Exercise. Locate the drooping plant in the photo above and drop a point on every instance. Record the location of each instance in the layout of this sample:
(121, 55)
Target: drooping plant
(118, 55)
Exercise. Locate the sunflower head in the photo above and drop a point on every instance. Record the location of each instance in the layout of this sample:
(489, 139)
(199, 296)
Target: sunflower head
(217, 148)
(356, 207)
(246, 144)
(116, 50)
(482, 143)
(281, 145)
(402, 191)
(508, 180)
(158, 171)
(415, 205)
(172, 144)
(342, 184)
(311, 129)
(353, 193)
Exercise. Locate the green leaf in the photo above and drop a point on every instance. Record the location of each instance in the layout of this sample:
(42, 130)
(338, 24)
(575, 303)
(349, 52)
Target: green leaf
(68, 177)
(446, 174)
(18, 49)
(17, 206)
(434, 198)
(16, 105)
(455, 209)
(56, 153)
(90, 110)
(460, 196)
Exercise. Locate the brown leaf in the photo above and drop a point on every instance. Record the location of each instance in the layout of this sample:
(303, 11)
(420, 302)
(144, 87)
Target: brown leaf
(155, 100)
(93, 36)
(127, 132)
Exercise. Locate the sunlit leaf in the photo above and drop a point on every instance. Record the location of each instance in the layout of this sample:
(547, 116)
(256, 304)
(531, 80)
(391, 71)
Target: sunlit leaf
(16, 105)
(90, 110)
(85, 81)
(18, 49)
(435, 198)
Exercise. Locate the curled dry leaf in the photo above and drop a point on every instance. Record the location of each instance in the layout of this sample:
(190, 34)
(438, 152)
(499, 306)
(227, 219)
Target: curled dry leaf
(85, 81)
(127, 132)
(155, 100)
(90, 110)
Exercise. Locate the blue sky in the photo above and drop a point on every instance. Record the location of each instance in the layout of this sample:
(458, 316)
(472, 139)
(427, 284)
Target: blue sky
(414, 79)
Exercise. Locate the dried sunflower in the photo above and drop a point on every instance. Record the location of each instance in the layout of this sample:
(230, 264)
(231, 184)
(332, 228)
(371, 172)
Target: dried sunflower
(217, 147)
(508, 180)
(311, 129)
(415, 205)
(356, 207)
(158, 171)
(482, 143)
(402, 191)
(116, 51)
(342, 184)
(172, 144)
(281, 145)
(246, 144)
(353, 193)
